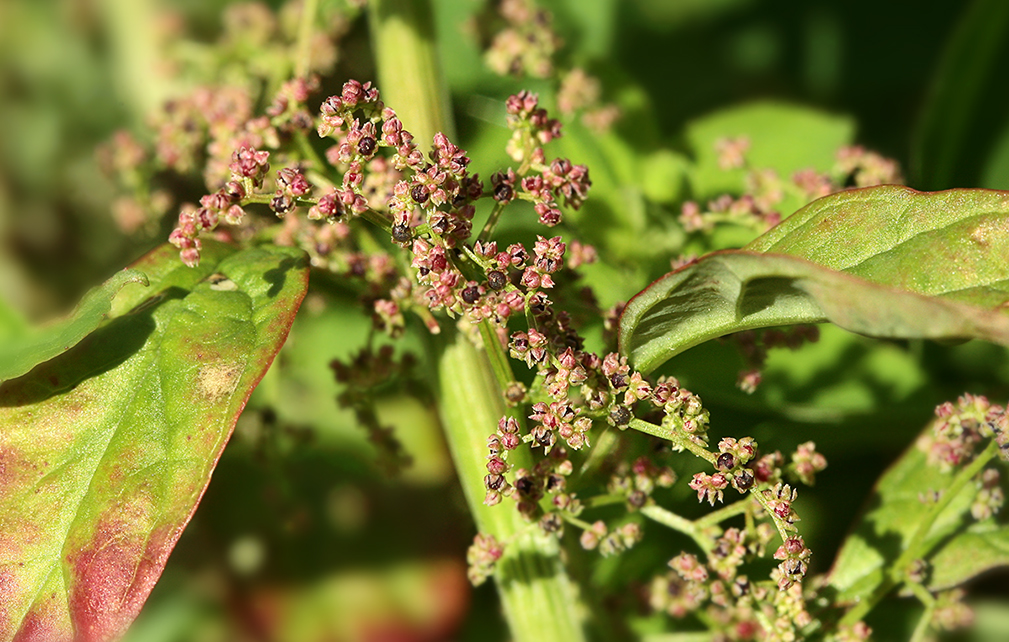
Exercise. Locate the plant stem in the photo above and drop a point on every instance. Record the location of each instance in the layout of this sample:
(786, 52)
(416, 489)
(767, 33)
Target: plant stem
(675, 436)
(409, 74)
(303, 55)
(681, 524)
(538, 599)
(925, 621)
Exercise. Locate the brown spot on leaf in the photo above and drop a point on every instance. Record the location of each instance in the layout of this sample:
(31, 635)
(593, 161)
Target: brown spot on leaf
(218, 380)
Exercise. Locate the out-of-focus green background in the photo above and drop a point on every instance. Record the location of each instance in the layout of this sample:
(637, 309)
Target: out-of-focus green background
(300, 537)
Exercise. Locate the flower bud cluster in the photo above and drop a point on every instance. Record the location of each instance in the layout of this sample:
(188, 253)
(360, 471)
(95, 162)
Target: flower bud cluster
(865, 168)
(482, 557)
(611, 542)
(960, 428)
(732, 600)
(990, 498)
(526, 45)
(806, 462)
(248, 168)
(559, 179)
(765, 190)
(683, 411)
(580, 92)
(287, 111)
(637, 482)
(753, 346)
(794, 558)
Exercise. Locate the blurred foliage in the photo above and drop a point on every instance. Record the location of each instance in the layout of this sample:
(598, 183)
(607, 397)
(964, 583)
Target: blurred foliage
(300, 536)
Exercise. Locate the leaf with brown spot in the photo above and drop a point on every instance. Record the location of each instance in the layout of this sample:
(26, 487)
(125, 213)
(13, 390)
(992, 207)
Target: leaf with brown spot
(106, 449)
(885, 261)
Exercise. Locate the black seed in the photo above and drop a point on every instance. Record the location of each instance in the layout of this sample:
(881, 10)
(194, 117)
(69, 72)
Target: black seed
(743, 480)
(493, 482)
(282, 204)
(525, 485)
(471, 294)
(618, 381)
(419, 194)
(400, 233)
(725, 461)
(366, 146)
(620, 415)
(503, 192)
(424, 271)
(496, 279)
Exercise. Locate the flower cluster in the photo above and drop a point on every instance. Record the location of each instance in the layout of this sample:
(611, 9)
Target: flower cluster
(482, 556)
(527, 44)
(757, 207)
(735, 605)
(754, 345)
(960, 428)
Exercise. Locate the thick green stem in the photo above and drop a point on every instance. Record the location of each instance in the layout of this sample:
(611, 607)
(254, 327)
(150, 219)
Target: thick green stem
(130, 29)
(303, 55)
(539, 601)
(409, 74)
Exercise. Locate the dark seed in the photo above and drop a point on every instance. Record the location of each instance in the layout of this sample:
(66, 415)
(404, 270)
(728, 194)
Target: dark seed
(525, 485)
(637, 499)
(743, 480)
(493, 482)
(496, 279)
(725, 461)
(471, 294)
(400, 233)
(620, 415)
(419, 194)
(503, 192)
(366, 146)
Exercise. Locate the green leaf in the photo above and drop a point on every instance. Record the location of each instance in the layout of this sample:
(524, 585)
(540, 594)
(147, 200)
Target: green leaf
(894, 515)
(783, 137)
(980, 548)
(884, 261)
(107, 448)
(21, 353)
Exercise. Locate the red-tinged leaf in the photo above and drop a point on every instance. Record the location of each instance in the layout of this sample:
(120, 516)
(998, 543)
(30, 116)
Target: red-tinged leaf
(885, 261)
(106, 449)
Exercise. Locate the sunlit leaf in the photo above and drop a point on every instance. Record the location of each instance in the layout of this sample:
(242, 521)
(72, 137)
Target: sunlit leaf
(106, 449)
(898, 506)
(980, 548)
(884, 261)
(22, 352)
